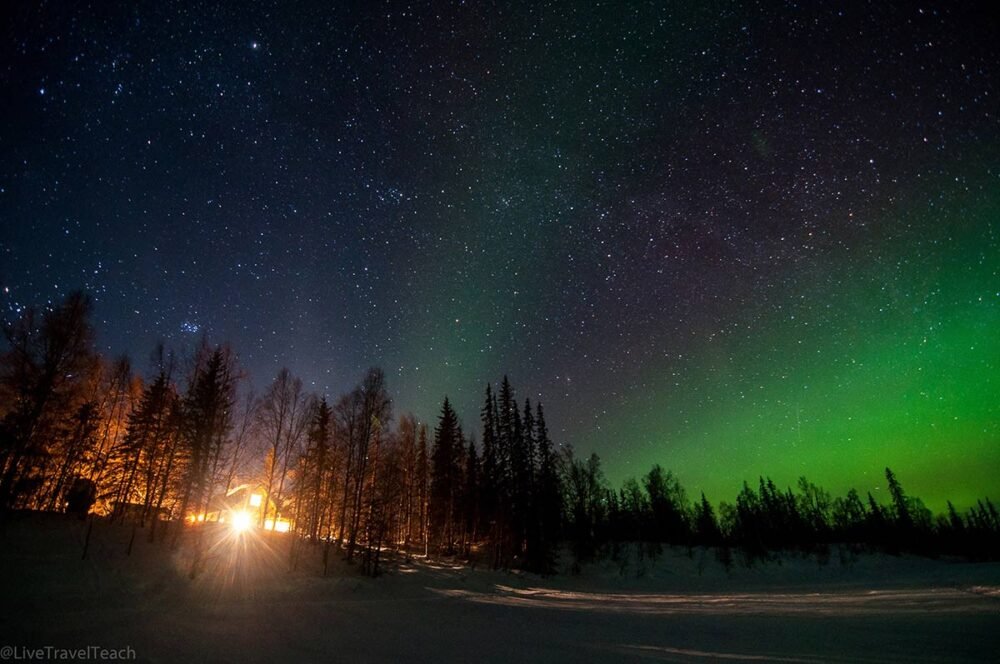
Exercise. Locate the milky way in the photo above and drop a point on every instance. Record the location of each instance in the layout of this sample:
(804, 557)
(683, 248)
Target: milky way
(732, 239)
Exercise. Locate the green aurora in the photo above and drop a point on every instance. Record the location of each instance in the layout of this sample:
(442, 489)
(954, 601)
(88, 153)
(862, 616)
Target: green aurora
(888, 369)
(882, 353)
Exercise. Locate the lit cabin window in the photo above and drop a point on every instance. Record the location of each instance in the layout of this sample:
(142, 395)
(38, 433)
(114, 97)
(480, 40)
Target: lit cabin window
(255, 499)
(282, 525)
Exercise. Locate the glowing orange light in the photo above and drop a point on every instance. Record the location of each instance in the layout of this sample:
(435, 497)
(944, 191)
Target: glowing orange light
(282, 526)
(241, 521)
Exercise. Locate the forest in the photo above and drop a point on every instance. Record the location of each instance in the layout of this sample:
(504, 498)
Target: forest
(189, 442)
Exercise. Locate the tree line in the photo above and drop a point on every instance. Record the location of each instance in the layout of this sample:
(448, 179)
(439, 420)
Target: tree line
(765, 520)
(80, 432)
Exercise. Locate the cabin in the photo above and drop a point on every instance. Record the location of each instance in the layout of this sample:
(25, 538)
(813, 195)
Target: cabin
(245, 506)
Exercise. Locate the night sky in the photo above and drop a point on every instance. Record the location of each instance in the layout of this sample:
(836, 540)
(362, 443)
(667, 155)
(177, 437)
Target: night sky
(732, 239)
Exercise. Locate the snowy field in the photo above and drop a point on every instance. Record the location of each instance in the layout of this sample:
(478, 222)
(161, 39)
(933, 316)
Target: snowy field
(248, 605)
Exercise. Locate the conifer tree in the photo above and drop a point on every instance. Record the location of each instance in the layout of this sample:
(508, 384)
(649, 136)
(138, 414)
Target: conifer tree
(520, 491)
(317, 479)
(41, 374)
(901, 506)
(706, 525)
(505, 409)
(489, 477)
(470, 497)
(443, 479)
(205, 424)
(144, 445)
(549, 496)
(206, 420)
(530, 448)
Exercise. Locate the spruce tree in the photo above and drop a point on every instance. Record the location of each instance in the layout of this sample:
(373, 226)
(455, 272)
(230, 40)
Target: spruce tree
(489, 478)
(706, 525)
(549, 494)
(901, 506)
(470, 498)
(505, 411)
(530, 447)
(206, 422)
(143, 446)
(506, 511)
(443, 479)
(316, 483)
(520, 496)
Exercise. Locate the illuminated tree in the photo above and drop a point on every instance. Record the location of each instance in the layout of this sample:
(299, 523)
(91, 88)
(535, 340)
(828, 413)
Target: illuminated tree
(205, 422)
(283, 414)
(371, 407)
(423, 479)
(146, 443)
(315, 481)
(408, 458)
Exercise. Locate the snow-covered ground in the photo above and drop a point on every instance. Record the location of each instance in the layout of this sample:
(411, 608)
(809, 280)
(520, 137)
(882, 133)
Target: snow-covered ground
(249, 605)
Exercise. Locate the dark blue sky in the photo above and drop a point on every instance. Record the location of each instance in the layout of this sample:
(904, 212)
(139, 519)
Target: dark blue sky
(637, 210)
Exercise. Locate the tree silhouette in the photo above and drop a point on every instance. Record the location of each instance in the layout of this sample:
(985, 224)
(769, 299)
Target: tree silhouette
(444, 476)
(42, 378)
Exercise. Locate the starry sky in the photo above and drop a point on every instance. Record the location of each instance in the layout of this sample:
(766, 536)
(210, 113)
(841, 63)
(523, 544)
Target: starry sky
(730, 238)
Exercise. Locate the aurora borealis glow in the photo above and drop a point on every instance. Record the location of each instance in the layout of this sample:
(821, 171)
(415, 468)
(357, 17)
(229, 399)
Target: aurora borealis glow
(899, 369)
(730, 239)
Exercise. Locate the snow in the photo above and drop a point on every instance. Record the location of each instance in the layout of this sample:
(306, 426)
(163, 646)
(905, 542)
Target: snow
(249, 605)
